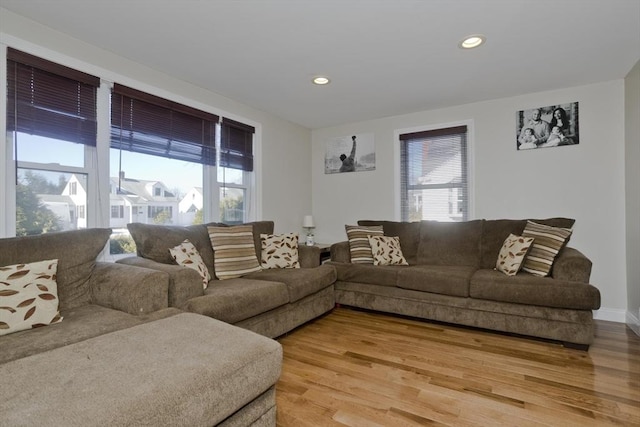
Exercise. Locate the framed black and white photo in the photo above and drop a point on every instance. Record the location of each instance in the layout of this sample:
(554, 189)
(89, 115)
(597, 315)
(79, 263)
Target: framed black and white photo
(352, 153)
(550, 126)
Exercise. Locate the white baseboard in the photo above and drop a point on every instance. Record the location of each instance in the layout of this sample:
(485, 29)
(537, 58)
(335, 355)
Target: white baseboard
(611, 314)
(633, 322)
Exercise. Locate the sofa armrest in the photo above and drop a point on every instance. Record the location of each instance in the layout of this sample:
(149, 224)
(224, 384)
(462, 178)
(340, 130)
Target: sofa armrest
(184, 283)
(573, 265)
(308, 256)
(340, 252)
(134, 290)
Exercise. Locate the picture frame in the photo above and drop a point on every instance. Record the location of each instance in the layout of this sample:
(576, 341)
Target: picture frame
(351, 153)
(550, 126)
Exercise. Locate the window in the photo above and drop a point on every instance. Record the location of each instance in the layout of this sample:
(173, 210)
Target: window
(51, 123)
(235, 170)
(433, 175)
(168, 162)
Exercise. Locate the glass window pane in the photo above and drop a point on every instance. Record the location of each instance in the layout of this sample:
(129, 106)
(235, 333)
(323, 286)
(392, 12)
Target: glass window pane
(151, 190)
(230, 176)
(49, 201)
(438, 204)
(38, 149)
(232, 210)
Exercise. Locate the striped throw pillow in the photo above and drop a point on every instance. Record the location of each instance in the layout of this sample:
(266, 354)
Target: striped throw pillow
(359, 246)
(234, 253)
(547, 242)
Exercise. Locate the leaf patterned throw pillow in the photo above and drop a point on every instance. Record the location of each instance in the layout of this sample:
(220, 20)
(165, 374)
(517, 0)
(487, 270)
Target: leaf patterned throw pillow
(28, 296)
(280, 250)
(386, 250)
(188, 256)
(512, 254)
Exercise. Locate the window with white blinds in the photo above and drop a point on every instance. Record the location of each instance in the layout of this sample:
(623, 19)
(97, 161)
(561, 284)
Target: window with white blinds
(433, 175)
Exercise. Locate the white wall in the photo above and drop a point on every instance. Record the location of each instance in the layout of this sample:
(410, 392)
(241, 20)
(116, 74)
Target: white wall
(284, 192)
(632, 169)
(585, 181)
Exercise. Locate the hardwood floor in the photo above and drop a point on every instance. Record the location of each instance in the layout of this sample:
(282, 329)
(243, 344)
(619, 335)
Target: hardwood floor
(356, 368)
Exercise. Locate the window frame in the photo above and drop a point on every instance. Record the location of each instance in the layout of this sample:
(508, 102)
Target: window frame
(470, 158)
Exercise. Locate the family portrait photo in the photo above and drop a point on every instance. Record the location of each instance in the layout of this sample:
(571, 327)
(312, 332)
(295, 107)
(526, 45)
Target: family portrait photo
(551, 126)
(351, 153)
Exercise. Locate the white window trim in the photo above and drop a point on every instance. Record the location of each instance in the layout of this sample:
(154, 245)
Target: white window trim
(397, 210)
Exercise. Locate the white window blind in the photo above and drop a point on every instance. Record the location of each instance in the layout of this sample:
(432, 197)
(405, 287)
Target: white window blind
(434, 175)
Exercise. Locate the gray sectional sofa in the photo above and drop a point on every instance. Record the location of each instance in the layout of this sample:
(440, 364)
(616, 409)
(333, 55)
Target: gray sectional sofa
(451, 278)
(121, 356)
(270, 302)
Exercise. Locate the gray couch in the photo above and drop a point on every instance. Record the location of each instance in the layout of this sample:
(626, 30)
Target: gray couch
(451, 278)
(269, 302)
(121, 356)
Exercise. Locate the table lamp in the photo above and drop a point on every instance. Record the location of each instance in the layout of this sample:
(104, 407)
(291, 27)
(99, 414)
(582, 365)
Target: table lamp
(307, 223)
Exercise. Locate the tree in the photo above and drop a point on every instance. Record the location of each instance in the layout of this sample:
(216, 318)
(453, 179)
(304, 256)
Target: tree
(198, 217)
(163, 217)
(32, 217)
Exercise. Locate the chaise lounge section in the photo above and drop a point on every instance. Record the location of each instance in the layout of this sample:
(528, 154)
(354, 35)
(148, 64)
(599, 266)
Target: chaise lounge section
(120, 355)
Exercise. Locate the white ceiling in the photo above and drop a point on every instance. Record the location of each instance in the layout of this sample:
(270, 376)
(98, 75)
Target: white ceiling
(384, 57)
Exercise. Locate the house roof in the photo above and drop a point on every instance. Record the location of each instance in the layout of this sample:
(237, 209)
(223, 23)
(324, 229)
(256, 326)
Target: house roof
(138, 190)
(384, 57)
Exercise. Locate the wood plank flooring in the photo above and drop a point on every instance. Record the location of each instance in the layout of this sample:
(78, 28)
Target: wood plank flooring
(356, 368)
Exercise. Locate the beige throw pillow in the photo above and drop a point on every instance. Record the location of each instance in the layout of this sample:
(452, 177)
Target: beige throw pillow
(28, 296)
(234, 253)
(548, 242)
(279, 250)
(186, 255)
(512, 254)
(386, 250)
(359, 246)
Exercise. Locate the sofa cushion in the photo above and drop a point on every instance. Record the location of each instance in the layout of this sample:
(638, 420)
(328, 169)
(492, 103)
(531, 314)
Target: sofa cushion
(154, 241)
(186, 255)
(512, 254)
(279, 251)
(546, 245)
(79, 324)
(525, 288)
(76, 252)
(300, 282)
(495, 231)
(233, 300)
(438, 279)
(29, 296)
(384, 275)
(234, 251)
(359, 247)
(408, 232)
(186, 370)
(450, 243)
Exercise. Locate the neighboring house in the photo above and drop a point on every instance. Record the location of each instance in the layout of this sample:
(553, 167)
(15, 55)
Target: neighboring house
(76, 190)
(136, 200)
(190, 204)
(62, 207)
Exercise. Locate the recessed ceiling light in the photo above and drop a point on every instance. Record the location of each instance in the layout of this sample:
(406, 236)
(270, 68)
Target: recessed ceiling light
(321, 80)
(472, 41)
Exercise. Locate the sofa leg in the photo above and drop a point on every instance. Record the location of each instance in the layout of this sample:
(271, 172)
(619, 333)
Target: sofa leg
(574, 346)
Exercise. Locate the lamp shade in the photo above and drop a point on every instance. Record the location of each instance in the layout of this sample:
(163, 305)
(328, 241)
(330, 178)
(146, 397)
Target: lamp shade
(308, 221)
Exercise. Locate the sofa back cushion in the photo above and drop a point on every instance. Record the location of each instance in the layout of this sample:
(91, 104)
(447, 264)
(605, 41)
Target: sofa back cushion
(76, 252)
(408, 232)
(450, 243)
(496, 231)
(153, 241)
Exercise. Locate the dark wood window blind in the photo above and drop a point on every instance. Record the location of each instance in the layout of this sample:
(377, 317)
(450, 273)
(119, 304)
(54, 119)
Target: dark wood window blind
(236, 145)
(147, 124)
(50, 100)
